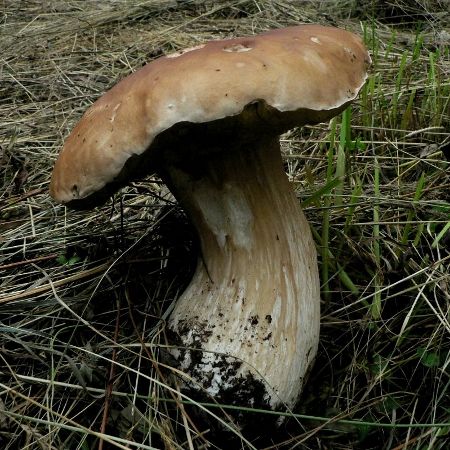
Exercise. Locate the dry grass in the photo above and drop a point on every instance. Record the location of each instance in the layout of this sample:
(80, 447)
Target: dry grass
(83, 296)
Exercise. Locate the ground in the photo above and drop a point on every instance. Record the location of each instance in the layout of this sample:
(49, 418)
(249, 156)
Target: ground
(84, 295)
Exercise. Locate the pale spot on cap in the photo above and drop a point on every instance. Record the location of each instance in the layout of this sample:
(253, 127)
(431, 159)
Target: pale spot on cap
(237, 48)
(186, 50)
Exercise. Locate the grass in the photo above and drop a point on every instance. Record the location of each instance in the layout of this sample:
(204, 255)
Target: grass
(84, 296)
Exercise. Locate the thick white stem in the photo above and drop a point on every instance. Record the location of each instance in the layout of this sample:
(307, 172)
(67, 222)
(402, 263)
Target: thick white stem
(248, 323)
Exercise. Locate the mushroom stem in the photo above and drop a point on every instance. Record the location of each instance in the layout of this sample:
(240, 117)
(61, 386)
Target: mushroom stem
(246, 329)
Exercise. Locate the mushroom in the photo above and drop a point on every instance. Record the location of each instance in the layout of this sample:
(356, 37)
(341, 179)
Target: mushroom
(208, 121)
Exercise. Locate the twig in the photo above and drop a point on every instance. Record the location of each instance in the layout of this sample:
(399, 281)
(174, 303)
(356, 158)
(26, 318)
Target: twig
(22, 197)
(29, 261)
(48, 286)
(110, 385)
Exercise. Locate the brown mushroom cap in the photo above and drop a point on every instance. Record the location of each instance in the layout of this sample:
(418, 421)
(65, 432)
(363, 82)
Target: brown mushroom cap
(297, 75)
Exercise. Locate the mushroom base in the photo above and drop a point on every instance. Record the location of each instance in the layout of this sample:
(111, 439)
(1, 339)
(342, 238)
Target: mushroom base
(246, 329)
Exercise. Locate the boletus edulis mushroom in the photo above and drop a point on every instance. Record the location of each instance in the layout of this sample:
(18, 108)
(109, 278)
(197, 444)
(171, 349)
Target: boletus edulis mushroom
(208, 121)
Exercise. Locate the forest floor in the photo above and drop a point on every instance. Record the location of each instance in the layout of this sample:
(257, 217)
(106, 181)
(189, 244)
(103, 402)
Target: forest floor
(84, 295)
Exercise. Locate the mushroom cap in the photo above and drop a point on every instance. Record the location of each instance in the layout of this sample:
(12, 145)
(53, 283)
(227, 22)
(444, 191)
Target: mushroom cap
(287, 77)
